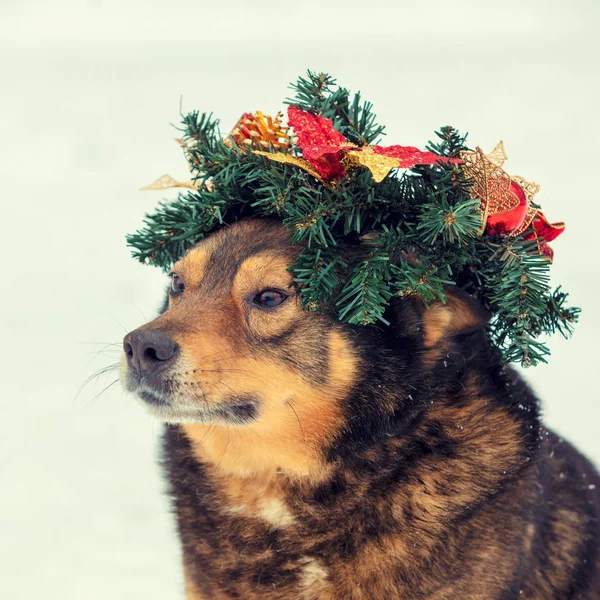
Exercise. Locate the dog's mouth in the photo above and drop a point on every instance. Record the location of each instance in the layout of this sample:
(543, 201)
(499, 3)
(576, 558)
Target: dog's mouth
(152, 398)
(169, 401)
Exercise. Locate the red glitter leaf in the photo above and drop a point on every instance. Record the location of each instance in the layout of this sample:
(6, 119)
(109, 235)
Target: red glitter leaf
(321, 144)
(409, 156)
(313, 130)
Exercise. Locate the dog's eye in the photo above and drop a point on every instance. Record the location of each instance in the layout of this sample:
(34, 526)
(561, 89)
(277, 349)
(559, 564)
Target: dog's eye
(269, 298)
(177, 285)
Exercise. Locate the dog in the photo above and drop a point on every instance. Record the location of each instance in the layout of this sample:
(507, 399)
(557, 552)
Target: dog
(309, 459)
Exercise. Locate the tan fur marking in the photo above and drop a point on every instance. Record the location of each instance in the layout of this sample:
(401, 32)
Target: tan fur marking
(263, 271)
(458, 315)
(275, 512)
(313, 580)
(193, 267)
(528, 537)
(237, 509)
(437, 321)
(296, 419)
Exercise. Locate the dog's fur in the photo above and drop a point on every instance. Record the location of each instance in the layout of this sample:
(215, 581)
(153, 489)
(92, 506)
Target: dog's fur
(313, 460)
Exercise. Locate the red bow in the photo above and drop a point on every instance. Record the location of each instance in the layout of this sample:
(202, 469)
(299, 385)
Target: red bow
(545, 232)
(507, 201)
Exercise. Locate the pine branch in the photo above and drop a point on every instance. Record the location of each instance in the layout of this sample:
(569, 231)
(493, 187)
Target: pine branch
(451, 144)
(311, 218)
(518, 295)
(318, 93)
(558, 316)
(454, 224)
(199, 131)
(175, 228)
(316, 274)
(420, 277)
(368, 291)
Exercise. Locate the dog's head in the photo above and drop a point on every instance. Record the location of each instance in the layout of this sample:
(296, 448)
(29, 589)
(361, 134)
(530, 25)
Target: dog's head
(234, 347)
(234, 342)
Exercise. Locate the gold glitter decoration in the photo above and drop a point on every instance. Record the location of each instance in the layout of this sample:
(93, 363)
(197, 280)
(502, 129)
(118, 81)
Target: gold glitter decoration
(166, 181)
(260, 130)
(497, 155)
(288, 159)
(530, 189)
(492, 185)
(532, 211)
(379, 164)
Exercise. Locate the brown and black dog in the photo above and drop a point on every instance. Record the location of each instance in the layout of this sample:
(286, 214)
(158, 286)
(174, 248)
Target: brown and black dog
(313, 460)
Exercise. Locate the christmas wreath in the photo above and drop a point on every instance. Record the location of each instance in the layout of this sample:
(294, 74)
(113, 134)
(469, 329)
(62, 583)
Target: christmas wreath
(375, 221)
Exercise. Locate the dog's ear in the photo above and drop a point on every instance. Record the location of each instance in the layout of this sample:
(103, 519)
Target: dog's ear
(460, 314)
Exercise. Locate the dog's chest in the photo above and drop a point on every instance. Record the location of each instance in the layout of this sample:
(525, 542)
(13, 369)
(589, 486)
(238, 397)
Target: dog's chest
(251, 538)
(256, 502)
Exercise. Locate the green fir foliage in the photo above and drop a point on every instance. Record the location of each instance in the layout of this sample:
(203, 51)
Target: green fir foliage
(415, 233)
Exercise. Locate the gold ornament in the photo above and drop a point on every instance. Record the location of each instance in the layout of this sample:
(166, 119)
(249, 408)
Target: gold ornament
(260, 131)
(506, 200)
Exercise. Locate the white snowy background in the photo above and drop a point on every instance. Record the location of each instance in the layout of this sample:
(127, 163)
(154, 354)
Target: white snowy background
(88, 92)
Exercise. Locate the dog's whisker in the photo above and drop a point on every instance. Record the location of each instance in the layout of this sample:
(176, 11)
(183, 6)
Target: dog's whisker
(204, 399)
(139, 310)
(211, 357)
(119, 323)
(243, 371)
(105, 389)
(222, 383)
(288, 402)
(108, 350)
(209, 431)
(103, 353)
(226, 444)
(100, 343)
(268, 385)
(114, 351)
(97, 374)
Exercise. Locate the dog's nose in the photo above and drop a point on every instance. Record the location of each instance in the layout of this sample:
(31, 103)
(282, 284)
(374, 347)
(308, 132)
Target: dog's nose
(149, 350)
